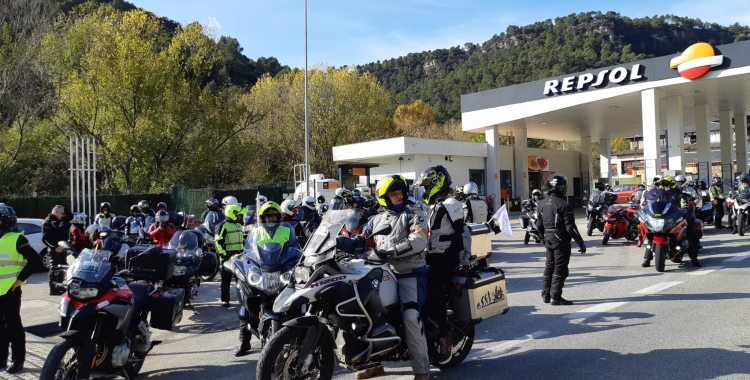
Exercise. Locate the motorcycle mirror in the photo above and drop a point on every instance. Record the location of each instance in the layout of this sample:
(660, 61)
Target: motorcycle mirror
(228, 266)
(382, 230)
(63, 245)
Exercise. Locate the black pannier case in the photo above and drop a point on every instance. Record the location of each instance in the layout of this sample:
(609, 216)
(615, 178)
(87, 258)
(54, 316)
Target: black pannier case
(166, 308)
(152, 258)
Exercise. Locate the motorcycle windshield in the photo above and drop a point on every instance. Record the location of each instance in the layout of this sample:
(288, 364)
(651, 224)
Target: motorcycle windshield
(324, 237)
(353, 222)
(212, 219)
(90, 266)
(269, 255)
(184, 239)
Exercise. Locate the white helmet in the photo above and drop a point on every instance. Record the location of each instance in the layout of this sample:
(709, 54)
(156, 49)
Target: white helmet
(680, 180)
(229, 200)
(262, 199)
(339, 192)
(471, 189)
(309, 202)
(287, 207)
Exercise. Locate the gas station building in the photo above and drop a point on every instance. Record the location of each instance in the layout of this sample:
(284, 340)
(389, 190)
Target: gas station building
(653, 99)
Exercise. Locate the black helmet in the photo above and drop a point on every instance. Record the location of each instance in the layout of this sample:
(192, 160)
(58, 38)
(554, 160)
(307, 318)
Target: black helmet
(641, 186)
(436, 181)
(388, 184)
(557, 183)
(135, 208)
(702, 185)
(537, 192)
(143, 205)
(161, 206)
(607, 187)
(744, 177)
(321, 199)
(213, 204)
(356, 193)
(104, 205)
(599, 186)
(717, 181)
(369, 201)
(7, 216)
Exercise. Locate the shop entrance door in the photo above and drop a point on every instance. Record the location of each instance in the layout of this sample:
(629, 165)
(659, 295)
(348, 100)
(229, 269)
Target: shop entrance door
(537, 180)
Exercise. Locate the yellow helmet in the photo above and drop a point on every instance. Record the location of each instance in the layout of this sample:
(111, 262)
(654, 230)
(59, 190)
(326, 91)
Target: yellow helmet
(388, 184)
(668, 181)
(269, 208)
(234, 211)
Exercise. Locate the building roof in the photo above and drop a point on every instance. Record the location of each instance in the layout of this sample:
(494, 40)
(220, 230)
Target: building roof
(400, 146)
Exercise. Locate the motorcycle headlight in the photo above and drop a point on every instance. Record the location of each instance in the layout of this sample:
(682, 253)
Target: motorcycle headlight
(286, 277)
(254, 276)
(301, 275)
(180, 270)
(75, 290)
(657, 224)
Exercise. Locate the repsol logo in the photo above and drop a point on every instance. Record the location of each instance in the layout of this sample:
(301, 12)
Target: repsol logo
(583, 82)
(327, 281)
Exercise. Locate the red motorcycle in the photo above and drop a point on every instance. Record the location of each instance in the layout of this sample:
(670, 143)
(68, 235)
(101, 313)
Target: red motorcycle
(620, 222)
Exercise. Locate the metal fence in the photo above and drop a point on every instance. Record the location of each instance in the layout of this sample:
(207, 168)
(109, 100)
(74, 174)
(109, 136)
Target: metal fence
(190, 201)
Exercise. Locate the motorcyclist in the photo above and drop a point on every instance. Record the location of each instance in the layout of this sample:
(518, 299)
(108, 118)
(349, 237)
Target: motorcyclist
(370, 209)
(356, 193)
(638, 196)
(558, 226)
(337, 203)
(162, 231)
(134, 220)
(78, 239)
(229, 241)
(307, 215)
(212, 204)
(671, 193)
(607, 187)
(146, 211)
(270, 230)
(459, 194)
(104, 218)
(56, 228)
(475, 208)
(409, 266)
(161, 206)
(596, 196)
(743, 191)
(691, 194)
(716, 193)
(449, 246)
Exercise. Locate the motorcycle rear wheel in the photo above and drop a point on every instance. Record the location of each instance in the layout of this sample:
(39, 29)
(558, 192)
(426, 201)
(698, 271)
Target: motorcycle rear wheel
(463, 340)
(660, 256)
(590, 229)
(280, 355)
(62, 362)
(607, 235)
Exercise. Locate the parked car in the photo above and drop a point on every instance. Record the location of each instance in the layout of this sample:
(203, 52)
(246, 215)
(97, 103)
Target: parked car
(32, 230)
(624, 192)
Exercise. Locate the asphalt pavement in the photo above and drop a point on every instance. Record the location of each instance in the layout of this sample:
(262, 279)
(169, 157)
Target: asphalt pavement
(627, 322)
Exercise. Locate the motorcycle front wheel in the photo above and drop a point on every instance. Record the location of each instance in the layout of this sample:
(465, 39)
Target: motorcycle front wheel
(660, 256)
(607, 235)
(590, 229)
(62, 362)
(281, 355)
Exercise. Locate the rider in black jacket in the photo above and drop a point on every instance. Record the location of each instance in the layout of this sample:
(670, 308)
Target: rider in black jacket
(558, 227)
(56, 228)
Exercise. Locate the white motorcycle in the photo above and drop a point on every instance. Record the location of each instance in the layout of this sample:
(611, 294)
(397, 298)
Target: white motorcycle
(353, 315)
(740, 206)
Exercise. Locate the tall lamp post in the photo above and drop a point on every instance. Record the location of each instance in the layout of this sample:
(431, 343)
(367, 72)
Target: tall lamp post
(307, 132)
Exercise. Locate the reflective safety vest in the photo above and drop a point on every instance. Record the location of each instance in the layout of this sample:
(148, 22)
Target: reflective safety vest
(261, 236)
(233, 238)
(11, 262)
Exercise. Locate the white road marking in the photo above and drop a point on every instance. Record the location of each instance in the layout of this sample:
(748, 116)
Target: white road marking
(594, 310)
(504, 346)
(736, 258)
(705, 270)
(658, 287)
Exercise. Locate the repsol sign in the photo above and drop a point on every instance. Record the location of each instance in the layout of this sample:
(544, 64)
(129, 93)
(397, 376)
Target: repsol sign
(583, 82)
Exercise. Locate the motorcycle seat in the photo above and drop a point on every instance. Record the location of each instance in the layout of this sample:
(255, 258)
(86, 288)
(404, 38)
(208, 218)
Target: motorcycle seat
(140, 291)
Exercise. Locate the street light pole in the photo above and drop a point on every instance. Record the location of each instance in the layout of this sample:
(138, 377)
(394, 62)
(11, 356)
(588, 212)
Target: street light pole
(307, 132)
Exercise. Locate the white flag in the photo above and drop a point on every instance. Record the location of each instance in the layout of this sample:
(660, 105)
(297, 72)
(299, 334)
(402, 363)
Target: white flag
(504, 221)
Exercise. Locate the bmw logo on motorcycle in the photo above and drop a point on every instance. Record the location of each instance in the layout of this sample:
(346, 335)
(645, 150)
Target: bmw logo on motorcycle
(376, 284)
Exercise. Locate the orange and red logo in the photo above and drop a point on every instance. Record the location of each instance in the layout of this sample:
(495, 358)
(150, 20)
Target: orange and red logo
(696, 60)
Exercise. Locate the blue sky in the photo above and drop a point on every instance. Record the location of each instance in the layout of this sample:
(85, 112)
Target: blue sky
(357, 32)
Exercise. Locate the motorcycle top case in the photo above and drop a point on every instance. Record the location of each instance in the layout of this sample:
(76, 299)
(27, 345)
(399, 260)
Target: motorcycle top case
(166, 308)
(481, 241)
(479, 294)
(609, 198)
(152, 258)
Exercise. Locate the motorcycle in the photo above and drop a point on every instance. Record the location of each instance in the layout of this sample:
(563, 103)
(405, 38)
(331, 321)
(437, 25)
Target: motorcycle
(706, 211)
(666, 230)
(353, 315)
(261, 272)
(620, 222)
(740, 205)
(354, 224)
(529, 222)
(208, 229)
(187, 267)
(105, 313)
(597, 211)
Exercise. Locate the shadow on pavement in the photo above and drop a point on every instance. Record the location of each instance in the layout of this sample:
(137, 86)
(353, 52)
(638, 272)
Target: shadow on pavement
(221, 371)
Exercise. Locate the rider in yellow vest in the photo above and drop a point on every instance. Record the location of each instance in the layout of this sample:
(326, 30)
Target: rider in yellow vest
(229, 241)
(269, 230)
(17, 262)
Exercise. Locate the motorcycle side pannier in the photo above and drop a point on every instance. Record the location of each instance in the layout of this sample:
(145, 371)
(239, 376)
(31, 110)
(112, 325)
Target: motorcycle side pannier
(152, 258)
(479, 294)
(166, 308)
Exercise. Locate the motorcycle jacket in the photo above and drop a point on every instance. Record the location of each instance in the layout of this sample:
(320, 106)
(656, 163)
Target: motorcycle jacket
(475, 210)
(405, 226)
(449, 234)
(55, 230)
(104, 220)
(716, 194)
(164, 235)
(557, 219)
(743, 192)
(281, 233)
(229, 238)
(309, 219)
